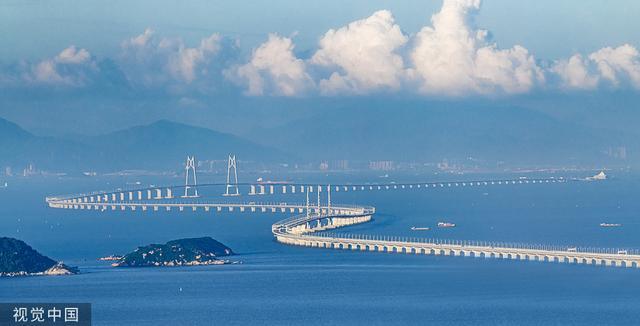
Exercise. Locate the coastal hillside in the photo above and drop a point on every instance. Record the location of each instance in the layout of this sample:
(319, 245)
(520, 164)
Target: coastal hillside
(17, 259)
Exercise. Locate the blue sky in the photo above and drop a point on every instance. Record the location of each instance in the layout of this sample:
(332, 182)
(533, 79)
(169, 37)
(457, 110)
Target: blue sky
(144, 60)
(35, 29)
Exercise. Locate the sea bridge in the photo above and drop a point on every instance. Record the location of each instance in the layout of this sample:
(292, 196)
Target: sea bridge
(309, 226)
(309, 231)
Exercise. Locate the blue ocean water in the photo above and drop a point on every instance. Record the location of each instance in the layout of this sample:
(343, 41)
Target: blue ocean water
(284, 285)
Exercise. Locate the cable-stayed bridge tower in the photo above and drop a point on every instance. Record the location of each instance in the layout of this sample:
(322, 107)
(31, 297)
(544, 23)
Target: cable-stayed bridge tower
(190, 170)
(232, 183)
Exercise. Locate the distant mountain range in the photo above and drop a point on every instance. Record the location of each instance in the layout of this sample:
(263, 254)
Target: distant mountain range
(423, 133)
(159, 145)
(454, 131)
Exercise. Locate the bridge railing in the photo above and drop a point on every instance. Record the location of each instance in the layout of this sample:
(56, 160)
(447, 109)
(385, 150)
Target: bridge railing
(478, 243)
(303, 218)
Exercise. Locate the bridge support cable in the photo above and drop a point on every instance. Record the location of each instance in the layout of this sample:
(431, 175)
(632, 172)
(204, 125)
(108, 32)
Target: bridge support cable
(307, 205)
(319, 207)
(329, 199)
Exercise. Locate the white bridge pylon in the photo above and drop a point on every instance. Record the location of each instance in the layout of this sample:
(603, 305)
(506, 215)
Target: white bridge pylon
(318, 208)
(232, 188)
(190, 170)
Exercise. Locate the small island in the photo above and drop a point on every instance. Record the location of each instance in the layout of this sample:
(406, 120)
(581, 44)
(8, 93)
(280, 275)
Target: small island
(19, 259)
(182, 252)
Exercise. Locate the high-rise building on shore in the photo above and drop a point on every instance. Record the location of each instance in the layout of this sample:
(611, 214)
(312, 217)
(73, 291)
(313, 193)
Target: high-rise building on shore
(382, 165)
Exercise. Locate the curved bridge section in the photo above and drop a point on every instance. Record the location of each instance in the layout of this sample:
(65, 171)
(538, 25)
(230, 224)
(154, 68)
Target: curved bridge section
(310, 224)
(309, 231)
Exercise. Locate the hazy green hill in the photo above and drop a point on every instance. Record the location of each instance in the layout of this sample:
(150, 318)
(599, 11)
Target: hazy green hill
(18, 258)
(164, 143)
(160, 145)
(182, 252)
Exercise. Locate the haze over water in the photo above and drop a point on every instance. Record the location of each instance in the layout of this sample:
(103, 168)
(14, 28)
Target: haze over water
(278, 284)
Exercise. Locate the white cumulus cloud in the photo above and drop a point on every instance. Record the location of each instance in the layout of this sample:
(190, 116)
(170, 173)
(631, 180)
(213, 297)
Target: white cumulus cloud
(273, 70)
(617, 64)
(184, 63)
(453, 58)
(614, 67)
(450, 57)
(575, 73)
(73, 55)
(364, 54)
(69, 68)
(147, 59)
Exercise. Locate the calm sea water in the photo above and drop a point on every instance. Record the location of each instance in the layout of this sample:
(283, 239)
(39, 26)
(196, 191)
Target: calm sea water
(278, 284)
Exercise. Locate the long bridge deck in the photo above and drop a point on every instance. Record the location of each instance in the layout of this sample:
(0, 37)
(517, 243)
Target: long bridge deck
(309, 229)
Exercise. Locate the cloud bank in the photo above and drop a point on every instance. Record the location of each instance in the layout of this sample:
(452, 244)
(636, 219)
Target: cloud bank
(612, 67)
(149, 60)
(449, 57)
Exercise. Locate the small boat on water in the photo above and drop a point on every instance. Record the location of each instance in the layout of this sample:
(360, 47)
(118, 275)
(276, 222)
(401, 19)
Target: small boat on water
(610, 225)
(110, 258)
(415, 228)
(446, 225)
(598, 177)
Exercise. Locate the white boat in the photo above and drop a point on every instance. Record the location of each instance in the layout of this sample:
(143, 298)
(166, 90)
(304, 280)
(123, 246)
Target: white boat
(598, 177)
(610, 225)
(446, 225)
(415, 228)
